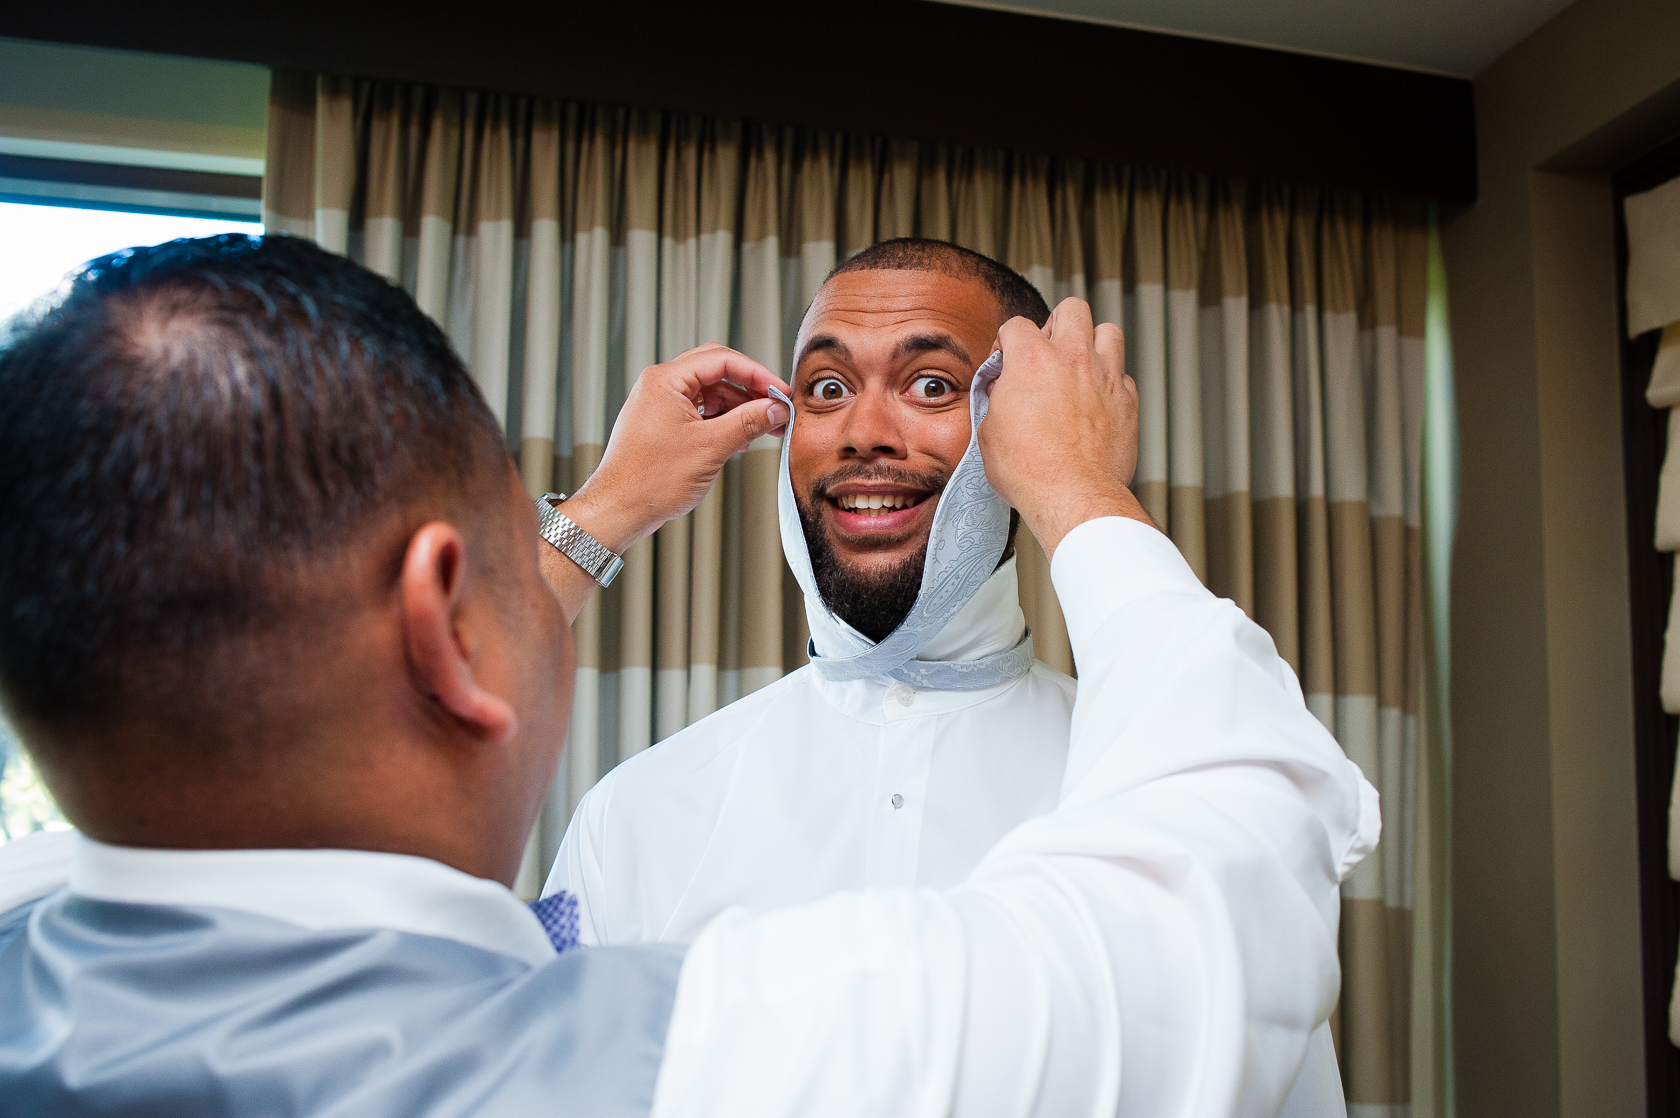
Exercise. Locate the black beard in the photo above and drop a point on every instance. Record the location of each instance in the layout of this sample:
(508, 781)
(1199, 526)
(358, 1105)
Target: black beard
(874, 605)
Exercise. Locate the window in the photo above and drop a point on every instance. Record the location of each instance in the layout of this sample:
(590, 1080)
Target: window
(42, 245)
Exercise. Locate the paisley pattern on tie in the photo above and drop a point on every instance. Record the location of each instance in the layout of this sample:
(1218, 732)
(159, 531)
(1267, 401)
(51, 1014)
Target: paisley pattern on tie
(558, 915)
(970, 531)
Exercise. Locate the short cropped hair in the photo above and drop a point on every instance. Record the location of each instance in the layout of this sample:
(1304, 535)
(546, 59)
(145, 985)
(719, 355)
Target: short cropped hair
(184, 433)
(1016, 297)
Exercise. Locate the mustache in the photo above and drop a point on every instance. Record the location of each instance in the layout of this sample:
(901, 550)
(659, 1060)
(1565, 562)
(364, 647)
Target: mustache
(932, 481)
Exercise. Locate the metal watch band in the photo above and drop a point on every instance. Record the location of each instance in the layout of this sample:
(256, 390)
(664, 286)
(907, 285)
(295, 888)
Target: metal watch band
(574, 543)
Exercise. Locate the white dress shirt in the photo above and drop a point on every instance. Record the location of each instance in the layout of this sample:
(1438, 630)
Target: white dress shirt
(1162, 943)
(809, 786)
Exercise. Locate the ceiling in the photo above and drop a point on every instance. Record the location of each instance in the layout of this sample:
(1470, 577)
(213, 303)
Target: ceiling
(1457, 37)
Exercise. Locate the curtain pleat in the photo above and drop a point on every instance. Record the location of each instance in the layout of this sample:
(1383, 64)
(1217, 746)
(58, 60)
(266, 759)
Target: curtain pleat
(1275, 333)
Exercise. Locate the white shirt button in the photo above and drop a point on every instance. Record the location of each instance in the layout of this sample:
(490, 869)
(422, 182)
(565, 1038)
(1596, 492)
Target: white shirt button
(905, 694)
(897, 801)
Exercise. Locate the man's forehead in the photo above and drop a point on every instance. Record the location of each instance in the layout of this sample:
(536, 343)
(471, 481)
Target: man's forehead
(883, 305)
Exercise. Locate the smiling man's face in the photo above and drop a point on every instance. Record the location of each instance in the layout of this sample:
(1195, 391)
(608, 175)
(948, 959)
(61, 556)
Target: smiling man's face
(884, 362)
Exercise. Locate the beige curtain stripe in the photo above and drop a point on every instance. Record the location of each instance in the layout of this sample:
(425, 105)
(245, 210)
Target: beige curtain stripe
(1186, 218)
(1271, 373)
(379, 217)
(732, 589)
(718, 238)
(796, 630)
(1105, 242)
(933, 197)
(899, 180)
(1039, 603)
(1353, 604)
(438, 202)
(1226, 412)
(1029, 244)
(1145, 324)
(634, 221)
(1276, 579)
(544, 306)
(335, 161)
(1388, 534)
(1375, 1012)
(858, 189)
(1069, 230)
(1318, 674)
(815, 223)
(288, 193)
(977, 216)
(761, 550)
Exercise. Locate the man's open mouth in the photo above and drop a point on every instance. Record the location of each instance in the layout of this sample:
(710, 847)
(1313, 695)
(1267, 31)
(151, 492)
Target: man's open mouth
(876, 503)
(877, 509)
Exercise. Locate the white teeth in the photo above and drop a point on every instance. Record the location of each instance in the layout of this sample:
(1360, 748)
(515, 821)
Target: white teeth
(872, 503)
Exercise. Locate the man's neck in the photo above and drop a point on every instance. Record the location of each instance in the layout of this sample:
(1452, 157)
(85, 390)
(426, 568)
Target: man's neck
(392, 800)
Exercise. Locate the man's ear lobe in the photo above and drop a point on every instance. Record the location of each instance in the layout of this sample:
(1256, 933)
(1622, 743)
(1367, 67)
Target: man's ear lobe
(432, 588)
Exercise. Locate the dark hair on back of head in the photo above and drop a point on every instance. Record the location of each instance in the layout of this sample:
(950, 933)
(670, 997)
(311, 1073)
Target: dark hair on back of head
(1015, 296)
(189, 428)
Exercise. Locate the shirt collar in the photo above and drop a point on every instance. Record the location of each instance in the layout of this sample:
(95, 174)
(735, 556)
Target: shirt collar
(991, 621)
(320, 890)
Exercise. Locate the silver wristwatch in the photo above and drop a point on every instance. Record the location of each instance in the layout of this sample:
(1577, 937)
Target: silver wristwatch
(574, 543)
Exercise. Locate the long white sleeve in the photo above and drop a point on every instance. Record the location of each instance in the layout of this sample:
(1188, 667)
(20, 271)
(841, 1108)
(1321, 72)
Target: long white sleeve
(1163, 943)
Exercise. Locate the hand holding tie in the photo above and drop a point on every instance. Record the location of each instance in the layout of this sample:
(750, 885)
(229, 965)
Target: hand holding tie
(680, 423)
(1060, 440)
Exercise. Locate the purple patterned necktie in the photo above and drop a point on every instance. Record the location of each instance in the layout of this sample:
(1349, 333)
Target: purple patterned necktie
(557, 913)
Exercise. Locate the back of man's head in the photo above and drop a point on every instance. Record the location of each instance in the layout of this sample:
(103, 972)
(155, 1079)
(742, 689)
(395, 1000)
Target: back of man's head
(191, 441)
(1015, 295)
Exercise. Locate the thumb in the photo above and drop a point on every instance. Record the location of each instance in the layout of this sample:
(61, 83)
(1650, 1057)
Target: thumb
(751, 420)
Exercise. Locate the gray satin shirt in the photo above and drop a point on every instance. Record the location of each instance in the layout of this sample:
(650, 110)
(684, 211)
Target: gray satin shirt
(139, 1009)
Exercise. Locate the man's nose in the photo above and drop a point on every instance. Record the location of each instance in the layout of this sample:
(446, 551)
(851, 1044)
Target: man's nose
(872, 428)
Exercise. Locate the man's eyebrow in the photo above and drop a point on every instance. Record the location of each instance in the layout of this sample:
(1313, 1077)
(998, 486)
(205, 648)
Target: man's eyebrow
(931, 343)
(824, 343)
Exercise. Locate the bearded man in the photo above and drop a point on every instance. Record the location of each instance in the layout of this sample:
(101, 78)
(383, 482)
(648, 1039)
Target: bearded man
(899, 767)
(923, 730)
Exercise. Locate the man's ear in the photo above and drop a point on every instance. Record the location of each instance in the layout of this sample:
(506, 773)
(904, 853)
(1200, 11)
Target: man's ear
(433, 592)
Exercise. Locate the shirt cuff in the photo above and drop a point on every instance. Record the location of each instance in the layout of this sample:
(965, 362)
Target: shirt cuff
(1107, 563)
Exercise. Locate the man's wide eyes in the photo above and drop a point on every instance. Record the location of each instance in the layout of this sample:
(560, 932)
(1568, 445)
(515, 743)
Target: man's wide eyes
(829, 388)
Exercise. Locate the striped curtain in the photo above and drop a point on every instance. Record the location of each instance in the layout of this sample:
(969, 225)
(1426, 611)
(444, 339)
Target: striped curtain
(1276, 334)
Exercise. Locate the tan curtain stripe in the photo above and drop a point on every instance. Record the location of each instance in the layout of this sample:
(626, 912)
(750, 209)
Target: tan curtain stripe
(1275, 333)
